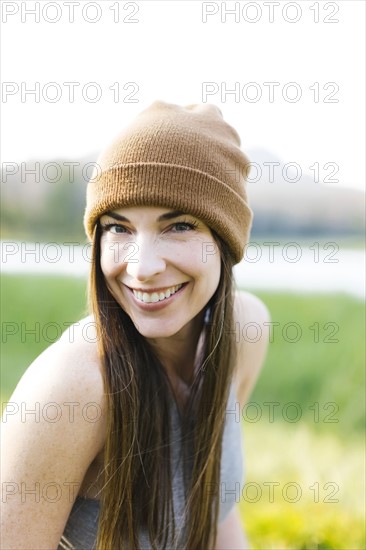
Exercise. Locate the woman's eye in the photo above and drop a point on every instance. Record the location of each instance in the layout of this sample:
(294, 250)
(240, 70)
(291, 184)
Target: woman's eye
(114, 228)
(185, 226)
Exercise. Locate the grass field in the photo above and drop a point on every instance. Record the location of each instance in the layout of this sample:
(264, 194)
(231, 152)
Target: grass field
(303, 426)
(303, 490)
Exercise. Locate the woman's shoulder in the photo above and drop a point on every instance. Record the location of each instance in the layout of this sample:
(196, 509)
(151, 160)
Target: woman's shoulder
(252, 322)
(66, 381)
(79, 343)
(249, 308)
(54, 427)
(68, 369)
(81, 339)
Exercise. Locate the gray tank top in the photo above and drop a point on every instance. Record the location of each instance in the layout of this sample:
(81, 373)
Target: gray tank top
(81, 528)
(80, 532)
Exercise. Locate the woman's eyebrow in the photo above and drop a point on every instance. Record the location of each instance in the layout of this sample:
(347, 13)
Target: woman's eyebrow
(167, 216)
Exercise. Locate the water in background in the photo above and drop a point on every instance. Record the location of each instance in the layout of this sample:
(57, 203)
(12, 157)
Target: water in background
(265, 267)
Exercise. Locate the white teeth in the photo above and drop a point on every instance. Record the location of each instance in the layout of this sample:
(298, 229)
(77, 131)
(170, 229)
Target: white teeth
(154, 296)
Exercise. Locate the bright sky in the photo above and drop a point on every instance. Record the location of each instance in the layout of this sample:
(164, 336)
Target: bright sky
(185, 52)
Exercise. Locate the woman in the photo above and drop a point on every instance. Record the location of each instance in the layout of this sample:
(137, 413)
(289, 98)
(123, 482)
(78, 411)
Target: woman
(146, 452)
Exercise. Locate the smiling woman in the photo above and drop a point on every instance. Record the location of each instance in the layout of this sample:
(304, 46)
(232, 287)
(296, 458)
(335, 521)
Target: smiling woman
(168, 218)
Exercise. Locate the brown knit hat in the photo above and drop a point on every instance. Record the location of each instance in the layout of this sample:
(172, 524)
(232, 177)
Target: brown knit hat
(185, 158)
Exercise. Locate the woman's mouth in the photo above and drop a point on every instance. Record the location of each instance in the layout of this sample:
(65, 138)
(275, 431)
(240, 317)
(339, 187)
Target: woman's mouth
(153, 301)
(153, 297)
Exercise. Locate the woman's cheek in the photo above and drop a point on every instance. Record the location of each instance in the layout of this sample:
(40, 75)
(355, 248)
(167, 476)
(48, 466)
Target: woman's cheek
(208, 252)
(108, 261)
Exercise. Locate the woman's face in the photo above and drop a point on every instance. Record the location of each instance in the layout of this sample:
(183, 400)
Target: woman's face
(152, 250)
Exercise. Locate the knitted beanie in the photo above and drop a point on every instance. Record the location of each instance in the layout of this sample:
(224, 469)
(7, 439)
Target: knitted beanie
(184, 158)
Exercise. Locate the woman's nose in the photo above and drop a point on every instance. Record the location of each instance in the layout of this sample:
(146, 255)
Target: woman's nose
(145, 261)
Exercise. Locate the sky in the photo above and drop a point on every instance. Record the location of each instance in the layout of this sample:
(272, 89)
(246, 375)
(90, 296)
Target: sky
(289, 76)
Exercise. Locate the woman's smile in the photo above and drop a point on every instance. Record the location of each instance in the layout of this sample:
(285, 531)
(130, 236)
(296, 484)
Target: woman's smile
(155, 295)
(156, 301)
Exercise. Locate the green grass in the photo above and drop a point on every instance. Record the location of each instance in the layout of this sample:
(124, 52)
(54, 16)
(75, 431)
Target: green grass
(35, 310)
(323, 370)
(318, 484)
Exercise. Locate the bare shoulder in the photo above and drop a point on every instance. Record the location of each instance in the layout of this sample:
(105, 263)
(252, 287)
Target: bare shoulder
(71, 365)
(250, 308)
(53, 427)
(251, 318)
(81, 338)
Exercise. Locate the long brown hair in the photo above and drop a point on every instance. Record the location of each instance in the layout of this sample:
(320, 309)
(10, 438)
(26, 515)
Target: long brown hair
(137, 489)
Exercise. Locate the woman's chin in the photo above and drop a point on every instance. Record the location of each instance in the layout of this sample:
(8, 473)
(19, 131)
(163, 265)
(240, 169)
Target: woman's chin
(157, 328)
(154, 333)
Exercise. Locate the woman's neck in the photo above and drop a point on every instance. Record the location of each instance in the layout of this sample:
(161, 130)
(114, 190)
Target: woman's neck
(181, 353)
